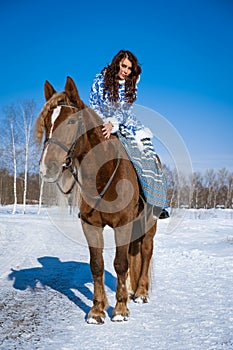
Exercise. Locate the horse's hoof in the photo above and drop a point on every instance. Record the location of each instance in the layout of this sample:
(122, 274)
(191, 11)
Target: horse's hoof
(120, 318)
(141, 300)
(130, 296)
(95, 320)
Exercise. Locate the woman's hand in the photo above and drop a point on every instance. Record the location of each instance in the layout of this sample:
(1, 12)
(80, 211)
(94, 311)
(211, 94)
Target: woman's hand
(107, 130)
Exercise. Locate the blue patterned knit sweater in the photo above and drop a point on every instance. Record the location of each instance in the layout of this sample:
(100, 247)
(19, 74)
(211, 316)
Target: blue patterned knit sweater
(120, 113)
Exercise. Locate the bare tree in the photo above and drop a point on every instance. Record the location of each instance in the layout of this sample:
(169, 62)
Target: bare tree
(197, 186)
(222, 181)
(229, 199)
(15, 165)
(210, 177)
(27, 115)
(41, 196)
(19, 156)
(10, 137)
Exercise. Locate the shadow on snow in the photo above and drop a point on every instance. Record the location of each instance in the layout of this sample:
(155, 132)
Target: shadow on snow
(62, 277)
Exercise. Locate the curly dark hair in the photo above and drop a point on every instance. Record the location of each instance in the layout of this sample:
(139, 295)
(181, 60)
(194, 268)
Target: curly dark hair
(111, 80)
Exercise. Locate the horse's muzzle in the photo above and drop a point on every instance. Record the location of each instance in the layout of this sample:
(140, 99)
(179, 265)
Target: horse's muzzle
(51, 171)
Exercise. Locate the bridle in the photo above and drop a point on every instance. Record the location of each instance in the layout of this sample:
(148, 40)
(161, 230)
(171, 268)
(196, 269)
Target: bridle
(68, 164)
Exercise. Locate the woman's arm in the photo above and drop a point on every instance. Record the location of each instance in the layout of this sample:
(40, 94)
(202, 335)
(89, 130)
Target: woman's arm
(96, 96)
(100, 105)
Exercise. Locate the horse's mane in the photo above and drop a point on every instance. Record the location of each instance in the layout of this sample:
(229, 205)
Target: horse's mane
(92, 119)
(49, 105)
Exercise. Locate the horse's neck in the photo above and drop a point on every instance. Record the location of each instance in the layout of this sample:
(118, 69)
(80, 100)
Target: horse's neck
(97, 152)
(92, 125)
(91, 137)
(91, 119)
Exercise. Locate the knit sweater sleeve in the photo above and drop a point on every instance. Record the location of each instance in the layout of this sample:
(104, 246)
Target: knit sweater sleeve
(96, 95)
(100, 105)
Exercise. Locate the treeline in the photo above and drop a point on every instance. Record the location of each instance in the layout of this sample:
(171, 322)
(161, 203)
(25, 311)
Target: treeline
(208, 190)
(19, 167)
(7, 188)
(19, 155)
(200, 190)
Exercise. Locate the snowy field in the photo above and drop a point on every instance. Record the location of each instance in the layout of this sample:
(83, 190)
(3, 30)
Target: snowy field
(46, 287)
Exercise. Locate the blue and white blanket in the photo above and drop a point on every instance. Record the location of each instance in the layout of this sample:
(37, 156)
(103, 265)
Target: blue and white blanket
(147, 167)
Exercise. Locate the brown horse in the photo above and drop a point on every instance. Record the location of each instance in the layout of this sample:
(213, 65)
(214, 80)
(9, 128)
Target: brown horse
(109, 195)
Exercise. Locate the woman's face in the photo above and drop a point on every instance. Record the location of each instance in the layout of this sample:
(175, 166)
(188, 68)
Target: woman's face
(125, 68)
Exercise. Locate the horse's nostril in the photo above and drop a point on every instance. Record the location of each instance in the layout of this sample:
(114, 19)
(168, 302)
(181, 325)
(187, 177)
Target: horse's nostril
(50, 170)
(53, 167)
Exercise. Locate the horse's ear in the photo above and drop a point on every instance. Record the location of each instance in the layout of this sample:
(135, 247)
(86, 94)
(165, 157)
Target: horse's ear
(49, 91)
(71, 90)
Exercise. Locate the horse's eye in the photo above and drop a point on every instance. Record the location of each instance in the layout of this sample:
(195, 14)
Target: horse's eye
(71, 121)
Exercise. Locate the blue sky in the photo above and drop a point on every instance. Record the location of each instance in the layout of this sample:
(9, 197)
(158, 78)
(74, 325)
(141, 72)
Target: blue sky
(185, 48)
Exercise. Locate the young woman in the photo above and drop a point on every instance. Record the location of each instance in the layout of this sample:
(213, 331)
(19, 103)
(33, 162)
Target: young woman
(112, 96)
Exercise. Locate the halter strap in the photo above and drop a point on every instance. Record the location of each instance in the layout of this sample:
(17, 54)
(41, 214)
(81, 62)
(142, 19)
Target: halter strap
(69, 190)
(66, 104)
(60, 144)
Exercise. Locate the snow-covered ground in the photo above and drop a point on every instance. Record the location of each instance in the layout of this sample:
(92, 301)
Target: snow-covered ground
(46, 287)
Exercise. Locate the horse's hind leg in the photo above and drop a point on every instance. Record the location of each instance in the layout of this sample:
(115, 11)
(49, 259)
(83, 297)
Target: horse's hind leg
(121, 312)
(94, 238)
(142, 292)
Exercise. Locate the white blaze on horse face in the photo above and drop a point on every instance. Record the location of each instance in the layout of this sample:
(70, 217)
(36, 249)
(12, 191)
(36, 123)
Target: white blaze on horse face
(54, 117)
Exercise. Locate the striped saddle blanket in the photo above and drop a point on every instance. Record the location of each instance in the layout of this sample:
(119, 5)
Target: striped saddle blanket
(147, 167)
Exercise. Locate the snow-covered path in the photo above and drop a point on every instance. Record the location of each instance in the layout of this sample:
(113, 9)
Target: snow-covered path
(46, 288)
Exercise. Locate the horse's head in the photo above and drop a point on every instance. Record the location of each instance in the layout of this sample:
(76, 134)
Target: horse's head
(58, 121)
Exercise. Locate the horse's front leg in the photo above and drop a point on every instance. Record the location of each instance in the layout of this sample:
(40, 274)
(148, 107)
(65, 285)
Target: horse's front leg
(121, 312)
(94, 236)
